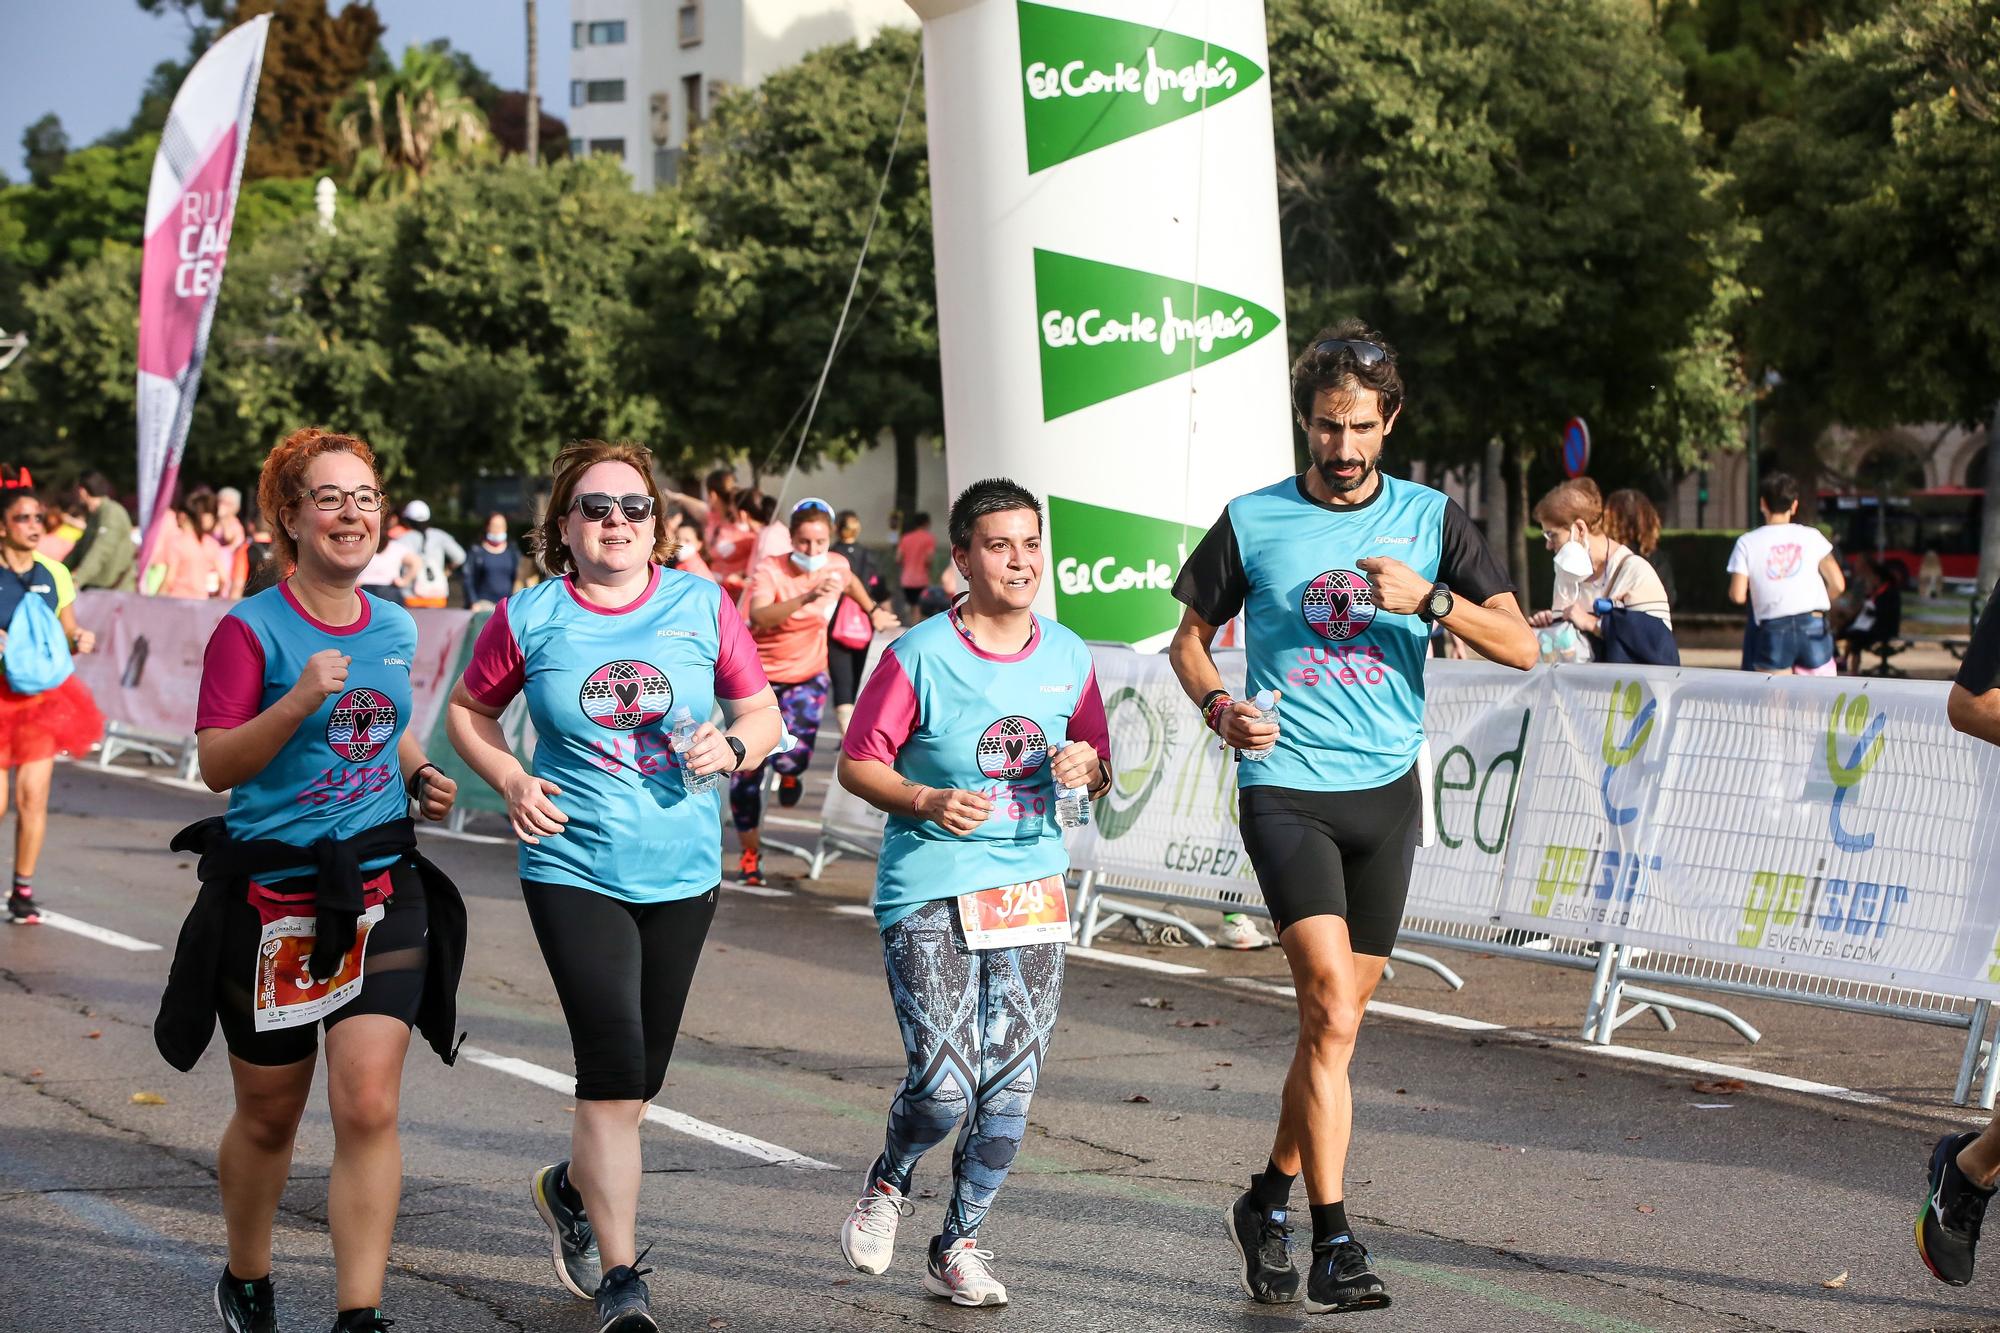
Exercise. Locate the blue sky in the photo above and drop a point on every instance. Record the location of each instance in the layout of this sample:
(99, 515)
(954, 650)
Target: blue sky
(86, 60)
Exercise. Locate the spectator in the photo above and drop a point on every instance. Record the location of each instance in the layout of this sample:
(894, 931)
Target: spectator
(1787, 573)
(181, 567)
(1631, 521)
(260, 566)
(104, 556)
(391, 570)
(914, 550)
(233, 538)
(63, 530)
(1879, 618)
(1930, 575)
(489, 568)
(201, 503)
(1603, 589)
(438, 556)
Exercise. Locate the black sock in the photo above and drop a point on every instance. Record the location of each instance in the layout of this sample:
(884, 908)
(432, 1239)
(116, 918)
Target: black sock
(362, 1317)
(235, 1281)
(1272, 1188)
(566, 1191)
(1330, 1223)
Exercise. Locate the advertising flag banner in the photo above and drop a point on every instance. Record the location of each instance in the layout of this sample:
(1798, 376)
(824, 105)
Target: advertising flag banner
(189, 210)
(1110, 291)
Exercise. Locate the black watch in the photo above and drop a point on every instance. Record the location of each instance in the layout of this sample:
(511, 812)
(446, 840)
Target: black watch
(1436, 605)
(737, 746)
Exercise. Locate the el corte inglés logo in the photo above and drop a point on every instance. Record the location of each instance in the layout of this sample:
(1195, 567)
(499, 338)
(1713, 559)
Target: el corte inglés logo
(1087, 82)
(1114, 572)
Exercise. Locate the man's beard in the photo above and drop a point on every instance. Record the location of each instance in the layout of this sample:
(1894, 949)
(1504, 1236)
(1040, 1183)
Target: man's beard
(1340, 486)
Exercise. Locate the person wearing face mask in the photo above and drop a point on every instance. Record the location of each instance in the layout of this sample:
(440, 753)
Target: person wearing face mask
(1602, 587)
(490, 566)
(962, 735)
(687, 553)
(789, 604)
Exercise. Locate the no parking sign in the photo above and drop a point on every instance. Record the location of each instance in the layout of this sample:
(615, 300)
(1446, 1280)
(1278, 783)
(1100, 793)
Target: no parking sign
(1575, 448)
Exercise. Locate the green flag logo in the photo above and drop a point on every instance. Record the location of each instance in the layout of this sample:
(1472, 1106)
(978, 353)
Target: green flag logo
(1115, 571)
(1107, 330)
(1089, 81)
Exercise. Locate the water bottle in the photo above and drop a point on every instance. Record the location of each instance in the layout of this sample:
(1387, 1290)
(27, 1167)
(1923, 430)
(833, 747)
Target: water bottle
(1072, 807)
(684, 729)
(1267, 710)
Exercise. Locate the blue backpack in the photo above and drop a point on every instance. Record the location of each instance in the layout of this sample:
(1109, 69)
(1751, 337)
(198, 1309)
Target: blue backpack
(37, 654)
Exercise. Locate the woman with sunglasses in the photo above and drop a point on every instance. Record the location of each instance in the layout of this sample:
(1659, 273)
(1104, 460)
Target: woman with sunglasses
(620, 851)
(36, 727)
(791, 601)
(316, 909)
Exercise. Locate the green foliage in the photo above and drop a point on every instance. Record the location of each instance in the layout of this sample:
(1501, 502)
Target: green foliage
(44, 145)
(1740, 55)
(74, 401)
(97, 195)
(401, 125)
(311, 60)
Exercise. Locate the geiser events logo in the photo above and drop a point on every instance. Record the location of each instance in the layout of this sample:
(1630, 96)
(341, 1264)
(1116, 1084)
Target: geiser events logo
(1599, 884)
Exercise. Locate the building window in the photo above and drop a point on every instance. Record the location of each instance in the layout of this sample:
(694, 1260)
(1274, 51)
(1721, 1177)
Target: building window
(612, 147)
(690, 23)
(576, 36)
(608, 34)
(576, 147)
(603, 90)
(576, 92)
(691, 101)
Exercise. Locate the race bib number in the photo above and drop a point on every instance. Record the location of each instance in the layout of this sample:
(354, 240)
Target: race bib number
(1014, 914)
(286, 995)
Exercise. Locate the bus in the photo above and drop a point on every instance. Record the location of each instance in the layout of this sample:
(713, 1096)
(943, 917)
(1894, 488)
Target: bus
(1901, 528)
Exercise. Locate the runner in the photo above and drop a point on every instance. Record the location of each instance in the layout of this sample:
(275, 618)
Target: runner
(315, 908)
(1965, 1167)
(1340, 573)
(968, 725)
(39, 718)
(791, 601)
(620, 861)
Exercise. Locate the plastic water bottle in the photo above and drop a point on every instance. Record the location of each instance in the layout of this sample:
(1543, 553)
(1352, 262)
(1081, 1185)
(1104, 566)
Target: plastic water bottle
(1072, 807)
(684, 729)
(1267, 710)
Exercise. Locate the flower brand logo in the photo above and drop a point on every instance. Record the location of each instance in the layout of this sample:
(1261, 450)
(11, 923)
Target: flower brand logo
(1850, 721)
(1114, 571)
(1088, 82)
(1633, 708)
(1107, 330)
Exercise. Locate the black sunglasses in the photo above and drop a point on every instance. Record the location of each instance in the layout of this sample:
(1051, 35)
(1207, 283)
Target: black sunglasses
(1366, 353)
(596, 506)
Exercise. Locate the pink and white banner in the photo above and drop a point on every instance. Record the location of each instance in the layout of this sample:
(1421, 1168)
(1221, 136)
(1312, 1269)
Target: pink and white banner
(189, 211)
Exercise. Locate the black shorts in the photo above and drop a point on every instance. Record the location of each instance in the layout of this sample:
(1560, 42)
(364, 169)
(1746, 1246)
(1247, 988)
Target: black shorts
(844, 666)
(392, 975)
(1336, 853)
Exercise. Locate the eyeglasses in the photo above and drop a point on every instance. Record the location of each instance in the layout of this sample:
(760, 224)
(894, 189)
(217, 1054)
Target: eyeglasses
(596, 506)
(330, 497)
(811, 502)
(1366, 353)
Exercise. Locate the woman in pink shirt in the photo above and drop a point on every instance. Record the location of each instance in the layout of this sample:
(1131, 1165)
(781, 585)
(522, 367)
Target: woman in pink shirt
(913, 553)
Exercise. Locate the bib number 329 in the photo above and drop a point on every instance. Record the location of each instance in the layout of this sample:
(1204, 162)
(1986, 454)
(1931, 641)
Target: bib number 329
(1035, 912)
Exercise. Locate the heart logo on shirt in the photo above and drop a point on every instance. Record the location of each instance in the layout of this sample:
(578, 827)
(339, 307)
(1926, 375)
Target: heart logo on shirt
(362, 723)
(626, 695)
(1012, 749)
(627, 692)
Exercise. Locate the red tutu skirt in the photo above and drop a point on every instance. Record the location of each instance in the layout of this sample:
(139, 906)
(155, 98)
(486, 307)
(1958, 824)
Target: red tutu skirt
(64, 720)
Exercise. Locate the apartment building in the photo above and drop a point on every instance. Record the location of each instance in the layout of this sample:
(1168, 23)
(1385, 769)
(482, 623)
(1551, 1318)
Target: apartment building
(644, 73)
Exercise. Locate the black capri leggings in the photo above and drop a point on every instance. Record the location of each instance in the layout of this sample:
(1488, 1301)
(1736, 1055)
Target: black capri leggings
(622, 971)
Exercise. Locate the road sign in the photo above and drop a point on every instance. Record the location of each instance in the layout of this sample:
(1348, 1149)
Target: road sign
(1575, 448)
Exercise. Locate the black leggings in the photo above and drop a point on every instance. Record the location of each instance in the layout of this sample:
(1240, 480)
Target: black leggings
(622, 971)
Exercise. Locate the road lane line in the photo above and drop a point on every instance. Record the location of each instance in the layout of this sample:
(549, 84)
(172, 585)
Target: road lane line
(1130, 960)
(98, 933)
(677, 1121)
(755, 890)
(854, 909)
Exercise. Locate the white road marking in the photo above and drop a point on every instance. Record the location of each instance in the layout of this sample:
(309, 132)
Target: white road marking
(786, 821)
(659, 1115)
(98, 933)
(460, 835)
(1129, 960)
(1634, 1054)
(755, 890)
(854, 909)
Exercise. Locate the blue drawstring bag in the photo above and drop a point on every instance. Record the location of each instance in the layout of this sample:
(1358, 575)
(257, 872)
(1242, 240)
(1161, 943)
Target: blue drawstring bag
(37, 654)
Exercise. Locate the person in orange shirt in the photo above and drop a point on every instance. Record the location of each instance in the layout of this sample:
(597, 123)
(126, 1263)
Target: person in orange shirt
(914, 550)
(790, 602)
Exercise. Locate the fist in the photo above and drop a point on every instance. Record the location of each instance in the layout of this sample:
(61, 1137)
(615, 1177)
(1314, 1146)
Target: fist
(435, 794)
(954, 810)
(324, 676)
(1075, 765)
(1244, 728)
(1396, 587)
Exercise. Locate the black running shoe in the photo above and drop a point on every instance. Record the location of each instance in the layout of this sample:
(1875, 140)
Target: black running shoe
(790, 789)
(245, 1307)
(572, 1243)
(623, 1303)
(21, 909)
(361, 1321)
(1264, 1243)
(1342, 1279)
(1948, 1225)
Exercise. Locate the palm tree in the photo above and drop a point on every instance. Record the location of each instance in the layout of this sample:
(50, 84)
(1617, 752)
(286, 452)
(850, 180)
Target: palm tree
(400, 127)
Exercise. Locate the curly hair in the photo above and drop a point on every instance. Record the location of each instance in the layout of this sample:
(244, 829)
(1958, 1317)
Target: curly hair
(1630, 520)
(283, 479)
(545, 541)
(1339, 367)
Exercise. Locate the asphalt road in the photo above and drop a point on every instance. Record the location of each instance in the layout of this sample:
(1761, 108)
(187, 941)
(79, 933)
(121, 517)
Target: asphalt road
(1502, 1183)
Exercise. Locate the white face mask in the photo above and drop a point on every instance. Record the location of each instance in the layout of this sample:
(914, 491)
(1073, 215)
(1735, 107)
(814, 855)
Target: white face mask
(1573, 559)
(811, 564)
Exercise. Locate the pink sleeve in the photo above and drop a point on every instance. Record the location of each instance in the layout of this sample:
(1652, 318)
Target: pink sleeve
(1088, 723)
(232, 677)
(738, 672)
(885, 714)
(497, 671)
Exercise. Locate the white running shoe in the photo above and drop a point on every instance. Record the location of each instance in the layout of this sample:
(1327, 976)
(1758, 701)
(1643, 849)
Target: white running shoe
(1240, 932)
(963, 1275)
(868, 1237)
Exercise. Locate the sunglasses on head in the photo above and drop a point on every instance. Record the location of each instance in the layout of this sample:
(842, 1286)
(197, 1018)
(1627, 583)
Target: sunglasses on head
(1366, 353)
(596, 506)
(811, 502)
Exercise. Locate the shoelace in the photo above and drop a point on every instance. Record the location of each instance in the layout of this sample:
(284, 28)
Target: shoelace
(1274, 1244)
(1969, 1213)
(876, 1210)
(1348, 1260)
(964, 1266)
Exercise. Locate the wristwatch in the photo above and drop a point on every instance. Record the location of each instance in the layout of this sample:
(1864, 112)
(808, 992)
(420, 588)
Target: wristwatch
(737, 747)
(1436, 605)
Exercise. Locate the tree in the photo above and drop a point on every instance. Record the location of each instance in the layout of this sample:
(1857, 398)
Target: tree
(397, 128)
(1878, 255)
(75, 407)
(311, 61)
(1511, 190)
(44, 145)
(509, 122)
(1740, 55)
(97, 195)
(775, 194)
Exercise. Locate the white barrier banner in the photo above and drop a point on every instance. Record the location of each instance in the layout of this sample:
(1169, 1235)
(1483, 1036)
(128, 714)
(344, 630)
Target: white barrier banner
(1478, 718)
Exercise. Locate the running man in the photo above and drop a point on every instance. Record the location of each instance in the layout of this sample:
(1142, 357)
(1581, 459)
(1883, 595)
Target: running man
(1965, 1167)
(1340, 573)
(963, 733)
